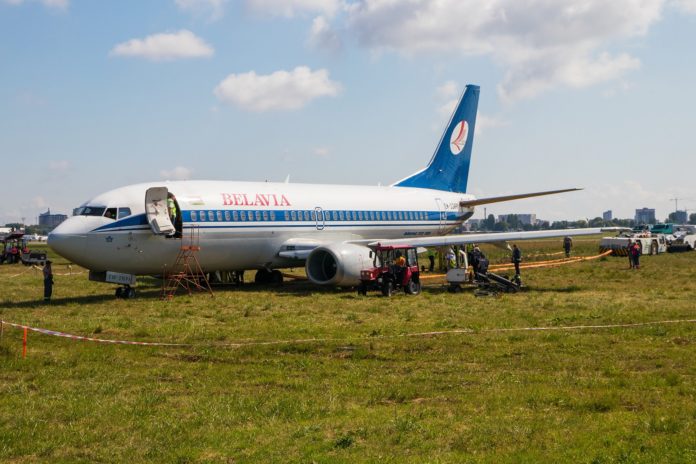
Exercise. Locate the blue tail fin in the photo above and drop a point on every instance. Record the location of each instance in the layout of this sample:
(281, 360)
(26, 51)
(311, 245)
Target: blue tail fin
(449, 167)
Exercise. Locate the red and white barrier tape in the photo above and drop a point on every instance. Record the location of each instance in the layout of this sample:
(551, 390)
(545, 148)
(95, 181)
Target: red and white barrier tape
(55, 333)
(344, 340)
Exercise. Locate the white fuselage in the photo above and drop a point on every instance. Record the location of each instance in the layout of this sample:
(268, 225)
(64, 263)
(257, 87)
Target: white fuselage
(245, 225)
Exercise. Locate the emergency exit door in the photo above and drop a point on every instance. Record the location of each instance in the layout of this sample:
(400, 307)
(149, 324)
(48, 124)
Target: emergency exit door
(157, 211)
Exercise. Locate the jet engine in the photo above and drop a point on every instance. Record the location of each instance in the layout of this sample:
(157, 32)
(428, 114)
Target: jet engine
(338, 264)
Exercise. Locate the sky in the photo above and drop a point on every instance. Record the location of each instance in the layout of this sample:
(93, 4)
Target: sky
(592, 94)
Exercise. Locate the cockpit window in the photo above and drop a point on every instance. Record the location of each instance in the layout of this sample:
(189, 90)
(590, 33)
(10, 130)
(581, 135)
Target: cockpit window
(110, 213)
(90, 211)
(123, 212)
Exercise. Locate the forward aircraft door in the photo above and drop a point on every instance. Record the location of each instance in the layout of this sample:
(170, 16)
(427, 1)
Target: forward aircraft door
(156, 211)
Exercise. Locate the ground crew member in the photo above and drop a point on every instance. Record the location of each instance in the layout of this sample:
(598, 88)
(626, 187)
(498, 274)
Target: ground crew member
(171, 207)
(431, 258)
(48, 280)
(636, 251)
(567, 245)
(629, 252)
(451, 259)
(516, 258)
(476, 256)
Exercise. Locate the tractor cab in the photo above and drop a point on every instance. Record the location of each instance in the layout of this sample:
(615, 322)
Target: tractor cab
(393, 268)
(15, 250)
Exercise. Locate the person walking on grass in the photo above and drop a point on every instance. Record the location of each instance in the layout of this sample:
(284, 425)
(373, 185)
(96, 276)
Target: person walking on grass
(636, 250)
(516, 258)
(567, 245)
(48, 280)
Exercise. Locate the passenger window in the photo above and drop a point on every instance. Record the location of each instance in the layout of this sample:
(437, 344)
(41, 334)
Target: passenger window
(265, 215)
(293, 215)
(219, 216)
(307, 216)
(257, 214)
(123, 212)
(227, 216)
(242, 215)
(202, 214)
(235, 216)
(272, 215)
(110, 213)
(194, 216)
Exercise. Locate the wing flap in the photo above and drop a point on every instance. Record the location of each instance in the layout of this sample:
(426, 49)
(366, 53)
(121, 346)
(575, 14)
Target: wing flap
(463, 239)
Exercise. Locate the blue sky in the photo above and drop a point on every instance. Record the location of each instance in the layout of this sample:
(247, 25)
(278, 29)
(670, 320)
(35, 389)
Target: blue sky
(593, 94)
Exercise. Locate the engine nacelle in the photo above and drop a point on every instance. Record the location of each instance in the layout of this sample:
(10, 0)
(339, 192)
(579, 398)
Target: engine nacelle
(338, 264)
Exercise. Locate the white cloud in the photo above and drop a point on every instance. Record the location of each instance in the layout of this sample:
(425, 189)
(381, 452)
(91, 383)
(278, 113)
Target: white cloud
(212, 9)
(178, 173)
(322, 36)
(291, 8)
(57, 4)
(449, 89)
(484, 123)
(688, 6)
(165, 47)
(39, 202)
(541, 44)
(281, 90)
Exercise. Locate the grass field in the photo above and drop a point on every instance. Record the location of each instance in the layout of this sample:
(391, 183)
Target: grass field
(366, 390)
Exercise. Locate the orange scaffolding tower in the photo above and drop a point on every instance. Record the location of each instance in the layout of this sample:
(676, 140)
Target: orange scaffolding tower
(186, 271)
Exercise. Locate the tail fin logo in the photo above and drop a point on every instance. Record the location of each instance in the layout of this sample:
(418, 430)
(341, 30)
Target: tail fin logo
(459, 137)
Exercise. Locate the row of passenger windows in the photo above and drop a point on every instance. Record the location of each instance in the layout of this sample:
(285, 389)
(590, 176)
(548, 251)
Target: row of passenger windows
(311, 215)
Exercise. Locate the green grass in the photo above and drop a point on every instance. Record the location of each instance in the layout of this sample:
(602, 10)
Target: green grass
(364, 392)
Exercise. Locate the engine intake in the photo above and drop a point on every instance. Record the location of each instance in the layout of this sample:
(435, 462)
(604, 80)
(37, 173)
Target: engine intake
(338, 264)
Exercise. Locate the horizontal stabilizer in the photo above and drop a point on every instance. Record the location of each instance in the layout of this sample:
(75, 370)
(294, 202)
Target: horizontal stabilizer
(485, 201)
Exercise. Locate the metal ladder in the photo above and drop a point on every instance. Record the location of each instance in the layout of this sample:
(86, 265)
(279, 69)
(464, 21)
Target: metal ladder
(186, 271)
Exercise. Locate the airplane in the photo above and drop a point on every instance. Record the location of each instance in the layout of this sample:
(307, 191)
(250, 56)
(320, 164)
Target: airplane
(267, 226)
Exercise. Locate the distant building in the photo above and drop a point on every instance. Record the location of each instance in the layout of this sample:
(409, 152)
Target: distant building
(680, 217)
(528, 219)
(51, 220)
(607, 215)
(645, 216)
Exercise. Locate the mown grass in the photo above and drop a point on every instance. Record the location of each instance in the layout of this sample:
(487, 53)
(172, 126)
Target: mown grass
(365, 390)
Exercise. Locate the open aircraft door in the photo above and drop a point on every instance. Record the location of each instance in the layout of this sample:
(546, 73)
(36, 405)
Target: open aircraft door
(156, 211)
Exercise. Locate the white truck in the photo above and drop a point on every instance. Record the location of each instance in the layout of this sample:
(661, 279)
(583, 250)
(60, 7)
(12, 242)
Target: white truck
(684, 239)
(651, 244)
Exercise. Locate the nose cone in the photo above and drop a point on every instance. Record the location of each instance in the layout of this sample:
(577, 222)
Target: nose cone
(69, 239)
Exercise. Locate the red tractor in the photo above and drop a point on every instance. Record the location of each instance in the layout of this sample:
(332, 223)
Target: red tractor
(394, 268)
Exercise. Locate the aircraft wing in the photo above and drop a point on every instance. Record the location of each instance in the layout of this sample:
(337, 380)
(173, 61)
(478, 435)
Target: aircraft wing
(489, 237)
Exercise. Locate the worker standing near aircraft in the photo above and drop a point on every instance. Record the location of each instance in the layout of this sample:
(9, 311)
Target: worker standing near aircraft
(516, 258)
(48, 280)
(636, 251)
(171, 207)
(567, 245)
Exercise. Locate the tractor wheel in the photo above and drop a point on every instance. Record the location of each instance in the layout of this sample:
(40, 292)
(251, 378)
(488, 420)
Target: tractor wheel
(412, 287)
(387, 288)
(362, 289)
